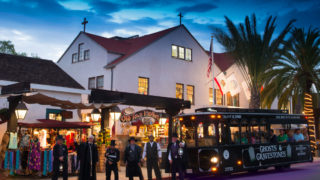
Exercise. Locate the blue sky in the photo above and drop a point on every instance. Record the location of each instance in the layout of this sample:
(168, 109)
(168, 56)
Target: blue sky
(47, 27)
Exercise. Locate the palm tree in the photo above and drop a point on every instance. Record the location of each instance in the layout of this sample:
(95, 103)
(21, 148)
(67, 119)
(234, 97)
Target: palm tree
(252, 51)
(294, 75)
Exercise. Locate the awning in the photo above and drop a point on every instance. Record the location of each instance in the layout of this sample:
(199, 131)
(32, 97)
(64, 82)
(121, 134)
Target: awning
(42, 99)
(51, 124)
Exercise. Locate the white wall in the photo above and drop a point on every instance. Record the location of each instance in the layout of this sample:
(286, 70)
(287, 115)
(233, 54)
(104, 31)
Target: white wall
(93, 67)
(163, 71)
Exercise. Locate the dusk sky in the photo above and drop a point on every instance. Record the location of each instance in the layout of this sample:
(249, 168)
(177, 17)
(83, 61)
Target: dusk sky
(47, 27)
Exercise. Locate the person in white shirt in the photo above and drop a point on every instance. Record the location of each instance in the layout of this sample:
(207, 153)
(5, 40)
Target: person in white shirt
(153, 153)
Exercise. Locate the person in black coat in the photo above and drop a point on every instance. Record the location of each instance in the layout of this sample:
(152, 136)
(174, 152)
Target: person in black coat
(60, 156)
(112, 158)
(88, 160)
(273, 137)
(132, 157)
(177, 158)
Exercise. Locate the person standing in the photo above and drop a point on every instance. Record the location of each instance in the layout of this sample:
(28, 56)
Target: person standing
(153, 152)
(112, 157)
(273, 137)
(132, 157)
(176, 157)
(60, 156)
(88, 160)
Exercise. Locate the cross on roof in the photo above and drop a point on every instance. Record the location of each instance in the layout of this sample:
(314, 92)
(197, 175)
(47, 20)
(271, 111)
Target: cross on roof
(180, 15)
(84, 24)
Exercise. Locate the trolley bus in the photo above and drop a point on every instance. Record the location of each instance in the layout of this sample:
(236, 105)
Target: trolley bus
(226, 141)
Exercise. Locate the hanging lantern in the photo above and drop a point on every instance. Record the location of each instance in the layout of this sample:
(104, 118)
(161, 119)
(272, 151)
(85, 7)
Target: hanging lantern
(115, 113)
(163, 119)
(95, 115)
(21, 111)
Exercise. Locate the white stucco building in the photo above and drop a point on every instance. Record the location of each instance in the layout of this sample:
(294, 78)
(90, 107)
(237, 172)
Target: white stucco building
(169, 63)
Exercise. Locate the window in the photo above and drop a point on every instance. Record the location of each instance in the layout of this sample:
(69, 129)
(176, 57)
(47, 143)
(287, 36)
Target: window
(80, 52)
(190, 93)
(218, 97)
(174, 51)
(143, 85)
(179, 91)
(181, 52)
(188, 54)
(210, 96)
(233, 100)
(100, 82)
(74, 57)
(92, 83)
(87, 54)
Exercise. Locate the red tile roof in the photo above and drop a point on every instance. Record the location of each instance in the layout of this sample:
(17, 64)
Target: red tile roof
(223, 60)
(127, 47)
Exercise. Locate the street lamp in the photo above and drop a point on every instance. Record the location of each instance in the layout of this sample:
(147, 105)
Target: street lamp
(21, 111)
(115, 113)
(95, 114)
(163, 119)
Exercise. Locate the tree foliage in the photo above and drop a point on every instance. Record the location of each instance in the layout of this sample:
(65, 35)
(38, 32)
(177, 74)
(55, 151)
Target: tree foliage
(296, 72)
(252, 51)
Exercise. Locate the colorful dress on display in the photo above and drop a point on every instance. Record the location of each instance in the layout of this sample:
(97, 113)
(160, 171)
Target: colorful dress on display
(34, 156)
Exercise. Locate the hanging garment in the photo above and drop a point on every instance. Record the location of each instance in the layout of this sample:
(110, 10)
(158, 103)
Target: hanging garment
(34, 156)
(13, 142)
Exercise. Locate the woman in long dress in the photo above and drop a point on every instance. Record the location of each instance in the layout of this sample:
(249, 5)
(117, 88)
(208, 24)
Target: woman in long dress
(34, 155)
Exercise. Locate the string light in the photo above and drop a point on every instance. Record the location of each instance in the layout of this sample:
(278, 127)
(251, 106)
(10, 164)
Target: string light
(308, 111)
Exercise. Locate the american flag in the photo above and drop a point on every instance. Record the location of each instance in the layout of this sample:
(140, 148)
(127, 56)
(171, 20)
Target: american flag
(210, 59)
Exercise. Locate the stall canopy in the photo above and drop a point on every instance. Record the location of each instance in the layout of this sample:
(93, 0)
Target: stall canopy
(38, 98)
(53, 124)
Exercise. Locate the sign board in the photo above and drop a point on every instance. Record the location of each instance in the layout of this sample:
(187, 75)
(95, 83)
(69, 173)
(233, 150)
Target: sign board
(147, 117)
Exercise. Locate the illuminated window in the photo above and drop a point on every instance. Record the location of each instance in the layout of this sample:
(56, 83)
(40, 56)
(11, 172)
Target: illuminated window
(87, 54)
(80, 52)
(74, 57)
(174, 51)
(92, 83)
(179, 91)
(181, 52)
(210, 96)
(218, 97)
(100, 82)
(143, 85)
(233, 100)
(188, 54)
(190, 93)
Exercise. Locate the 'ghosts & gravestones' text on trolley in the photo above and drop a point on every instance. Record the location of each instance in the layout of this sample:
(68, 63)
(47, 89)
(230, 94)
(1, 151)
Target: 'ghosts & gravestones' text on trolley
(227, 140)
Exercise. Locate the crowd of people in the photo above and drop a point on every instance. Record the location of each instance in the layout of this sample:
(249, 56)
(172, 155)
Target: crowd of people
(284, 136)
(134, 156)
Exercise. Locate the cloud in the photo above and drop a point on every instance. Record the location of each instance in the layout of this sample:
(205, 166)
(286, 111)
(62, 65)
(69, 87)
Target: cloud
(197, 8)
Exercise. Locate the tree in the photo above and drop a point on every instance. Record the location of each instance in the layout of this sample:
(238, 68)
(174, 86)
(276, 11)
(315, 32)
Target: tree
(296, 74)
(253, 52)
(7, 47)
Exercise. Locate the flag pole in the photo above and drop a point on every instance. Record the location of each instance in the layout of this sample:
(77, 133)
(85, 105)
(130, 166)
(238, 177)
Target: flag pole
(213, 90)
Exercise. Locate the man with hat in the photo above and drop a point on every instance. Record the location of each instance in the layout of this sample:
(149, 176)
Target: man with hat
(132, 157)
(60, 157)
(153, 152)
(176, 157)
(112, 157)
(88, 160)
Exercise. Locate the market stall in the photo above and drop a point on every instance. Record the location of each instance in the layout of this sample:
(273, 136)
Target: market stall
(31, 150)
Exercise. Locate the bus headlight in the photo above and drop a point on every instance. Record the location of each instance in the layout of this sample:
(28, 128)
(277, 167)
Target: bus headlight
(214, 159)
